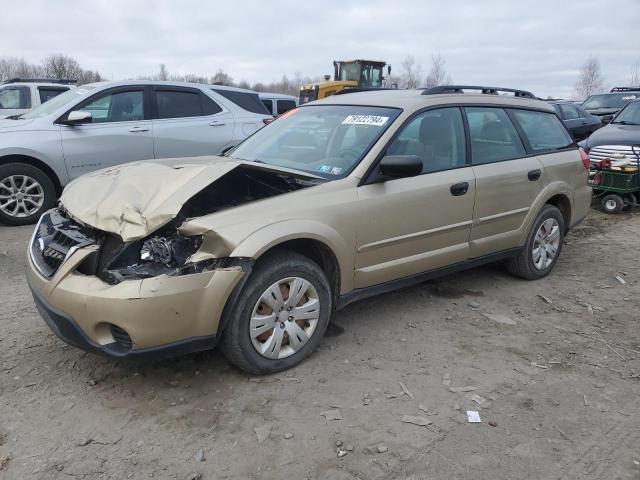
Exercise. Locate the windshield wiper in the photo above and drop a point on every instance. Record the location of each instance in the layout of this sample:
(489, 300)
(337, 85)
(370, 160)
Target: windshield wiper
(625, 122)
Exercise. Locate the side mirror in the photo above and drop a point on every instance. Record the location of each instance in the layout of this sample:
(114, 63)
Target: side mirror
(400, 166)
(78, 116)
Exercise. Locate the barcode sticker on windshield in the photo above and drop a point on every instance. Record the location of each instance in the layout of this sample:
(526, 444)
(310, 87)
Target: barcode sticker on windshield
(375, 120)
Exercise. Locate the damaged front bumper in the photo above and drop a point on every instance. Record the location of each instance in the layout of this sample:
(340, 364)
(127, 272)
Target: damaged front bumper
(158, 316)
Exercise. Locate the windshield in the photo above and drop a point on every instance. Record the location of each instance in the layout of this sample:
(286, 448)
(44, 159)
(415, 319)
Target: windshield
(58, 102)
(629, 115)
(326, 140)
(609, 100)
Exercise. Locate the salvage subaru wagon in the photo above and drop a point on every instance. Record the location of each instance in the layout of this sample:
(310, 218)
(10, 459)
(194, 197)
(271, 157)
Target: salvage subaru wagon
(338, 200)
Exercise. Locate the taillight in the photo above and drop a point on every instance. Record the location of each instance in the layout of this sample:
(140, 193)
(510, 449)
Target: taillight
(584, 156)
(267, 120)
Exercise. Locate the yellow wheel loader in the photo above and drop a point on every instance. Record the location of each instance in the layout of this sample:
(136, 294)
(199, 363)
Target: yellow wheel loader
(361, 74)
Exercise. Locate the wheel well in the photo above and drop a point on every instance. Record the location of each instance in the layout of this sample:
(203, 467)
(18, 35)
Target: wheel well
(321, 254)
(562, 203)
(35, 163)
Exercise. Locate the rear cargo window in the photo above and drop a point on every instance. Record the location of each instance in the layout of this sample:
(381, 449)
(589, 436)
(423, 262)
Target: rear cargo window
(47, 93)
(268, 104)
(246, 100)
(285, 105)
(543, 130)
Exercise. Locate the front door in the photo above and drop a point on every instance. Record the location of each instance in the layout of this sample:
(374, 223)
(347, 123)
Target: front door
(118, 132)
(412, 225)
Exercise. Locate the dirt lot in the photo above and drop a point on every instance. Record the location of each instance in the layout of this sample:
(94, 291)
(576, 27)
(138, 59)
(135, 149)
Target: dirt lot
(557, 405)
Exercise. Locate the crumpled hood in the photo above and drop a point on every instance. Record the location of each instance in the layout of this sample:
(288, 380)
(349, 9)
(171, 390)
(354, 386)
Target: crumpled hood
(134, 199)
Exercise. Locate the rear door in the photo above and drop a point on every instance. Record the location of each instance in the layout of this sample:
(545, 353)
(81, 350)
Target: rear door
(119, 131)
(577, 125)
(187, 123)
(508, 180)
(412, 225)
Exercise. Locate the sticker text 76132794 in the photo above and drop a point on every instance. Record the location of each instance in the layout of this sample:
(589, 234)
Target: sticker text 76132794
(374, 120)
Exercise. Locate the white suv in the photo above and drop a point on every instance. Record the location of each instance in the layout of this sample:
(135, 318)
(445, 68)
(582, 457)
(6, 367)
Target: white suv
(18, 96)
(105, 124)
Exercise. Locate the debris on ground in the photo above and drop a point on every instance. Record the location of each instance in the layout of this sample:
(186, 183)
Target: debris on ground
(263, 432)
(546, 299)
(382, 448)
(3, 462)
(499, 318)
(492, 423)
(473, 416)
(341, 452)
(194, 476)
(288, 436)
(404, 391)
(620, 279)
(426, 410)
(473, 305)
(333, 414)
(476, 398)
(199, 457)
(415, 420)
(446, 380)
(468, 388)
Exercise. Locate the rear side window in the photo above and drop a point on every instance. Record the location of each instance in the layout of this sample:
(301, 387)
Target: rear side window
(47, 94)
(543, 130)
(246, 100)
(285, 105)
(268, 104)
(493, 136)
(184, 103)
(15, 97)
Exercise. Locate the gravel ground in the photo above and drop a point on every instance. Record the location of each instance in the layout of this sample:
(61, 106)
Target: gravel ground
(554, 404)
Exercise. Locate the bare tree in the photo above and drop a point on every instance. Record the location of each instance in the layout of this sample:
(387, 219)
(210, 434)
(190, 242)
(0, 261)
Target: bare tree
(13, 67)
(59, 66)
(634, 77)
(222, 78)
(412, 72)
(590, 80)
(163, 73)
(438, 74)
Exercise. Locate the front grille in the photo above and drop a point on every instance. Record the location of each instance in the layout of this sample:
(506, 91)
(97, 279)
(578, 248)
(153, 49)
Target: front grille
(55, 238)
(121, 337)
(612, 152)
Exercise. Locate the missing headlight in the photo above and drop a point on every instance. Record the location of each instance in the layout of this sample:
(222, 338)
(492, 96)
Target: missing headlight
(164, 253)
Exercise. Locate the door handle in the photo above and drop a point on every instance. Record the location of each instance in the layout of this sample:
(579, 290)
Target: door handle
(458, 189)
(138, 129)
(534, 174)
(216, 124)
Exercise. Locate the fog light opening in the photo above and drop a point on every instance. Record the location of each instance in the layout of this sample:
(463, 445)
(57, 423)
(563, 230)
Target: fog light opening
(121, 338)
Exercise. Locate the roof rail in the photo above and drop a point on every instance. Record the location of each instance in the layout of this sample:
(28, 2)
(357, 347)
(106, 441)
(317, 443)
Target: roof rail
(625, 89)
(485, 90)
(42, 80)
(344, 91)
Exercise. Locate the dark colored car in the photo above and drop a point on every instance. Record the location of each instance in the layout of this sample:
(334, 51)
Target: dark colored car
(580, 123)
(614, 141)
(606, 105)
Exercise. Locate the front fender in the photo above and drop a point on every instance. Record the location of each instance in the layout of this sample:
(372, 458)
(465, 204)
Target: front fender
(274, 234)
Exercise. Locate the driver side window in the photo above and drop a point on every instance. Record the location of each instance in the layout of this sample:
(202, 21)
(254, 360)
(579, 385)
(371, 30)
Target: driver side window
(436, 137)
(116, 107)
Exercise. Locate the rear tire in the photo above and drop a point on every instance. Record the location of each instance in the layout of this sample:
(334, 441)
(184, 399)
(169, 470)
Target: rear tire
(612, 203)
(252, 351)
(542, 248)
(26, 192)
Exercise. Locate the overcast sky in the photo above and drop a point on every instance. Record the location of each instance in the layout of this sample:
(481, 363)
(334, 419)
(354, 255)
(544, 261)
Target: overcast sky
(539, 46)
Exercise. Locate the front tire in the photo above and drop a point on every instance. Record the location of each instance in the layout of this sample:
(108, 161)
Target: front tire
(280, 316)
(542, 248)
(26, 192)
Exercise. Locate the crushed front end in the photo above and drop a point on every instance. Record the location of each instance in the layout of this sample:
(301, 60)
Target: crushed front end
(159, 295)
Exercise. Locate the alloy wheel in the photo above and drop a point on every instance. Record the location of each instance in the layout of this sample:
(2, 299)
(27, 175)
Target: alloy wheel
(20, 195)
